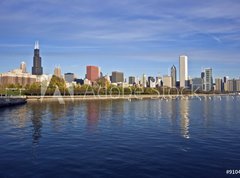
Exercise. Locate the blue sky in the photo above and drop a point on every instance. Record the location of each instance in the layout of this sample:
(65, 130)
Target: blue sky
(133, 36)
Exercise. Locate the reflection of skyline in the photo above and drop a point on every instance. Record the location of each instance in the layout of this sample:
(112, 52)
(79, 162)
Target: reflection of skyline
(93, 114)
(173, 115)
(184, 115)
(110, 111)
(117, 112)
(36, 119)
(206, 109)
(22, 117)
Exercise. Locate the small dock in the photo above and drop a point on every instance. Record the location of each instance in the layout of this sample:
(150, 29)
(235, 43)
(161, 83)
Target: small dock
(12, 101)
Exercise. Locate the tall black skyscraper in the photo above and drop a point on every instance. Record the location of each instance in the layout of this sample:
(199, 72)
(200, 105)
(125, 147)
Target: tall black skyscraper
(37, 61)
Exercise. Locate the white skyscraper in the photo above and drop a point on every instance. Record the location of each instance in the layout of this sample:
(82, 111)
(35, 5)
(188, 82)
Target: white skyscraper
(183, 70)
(144, 80)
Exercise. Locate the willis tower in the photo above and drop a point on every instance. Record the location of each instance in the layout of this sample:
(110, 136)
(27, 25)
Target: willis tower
(37, 61)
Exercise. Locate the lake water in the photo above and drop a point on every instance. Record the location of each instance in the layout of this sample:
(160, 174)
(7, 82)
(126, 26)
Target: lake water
(119, 138)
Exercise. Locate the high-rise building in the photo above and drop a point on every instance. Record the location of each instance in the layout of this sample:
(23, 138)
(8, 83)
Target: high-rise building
(144, 80)
(69, 77)
(167, 81)
(58, 72)
(117, 77)
(225, 79)
(202, 74)
(23, 67)
(159, 81)
(183, 70)
(225, 85)
(208, 80)
(37, 61)
(197, 84)
(231, 85)
(218, 85)
(93, 73)
(174, 76)
(151, 82)
(132, 80)
(238, 85)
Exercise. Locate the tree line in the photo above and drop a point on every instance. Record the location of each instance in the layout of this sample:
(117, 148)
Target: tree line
(101, 87)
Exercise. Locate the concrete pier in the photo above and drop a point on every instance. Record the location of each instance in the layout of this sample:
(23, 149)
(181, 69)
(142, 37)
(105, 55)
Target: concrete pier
(12, 101)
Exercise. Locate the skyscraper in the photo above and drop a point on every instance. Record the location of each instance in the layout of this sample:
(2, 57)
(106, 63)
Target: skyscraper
(69, 77)
(131, 80)
(117, 77)
(238, 85)
(151, 82)
(174, 76)
(225, 85)
(197, 84)
(23, 67)
(208, 80)
(231, 85)
(167, 81)
(37, 61)
(183, 70)
(93, 73)
(58, 72)
(144, 80)
(218, 84)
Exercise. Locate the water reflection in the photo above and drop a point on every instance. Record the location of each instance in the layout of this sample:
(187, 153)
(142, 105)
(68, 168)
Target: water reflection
(184, 115)
(93, 115)
(21, 118)
(36, 118)
(117, 111)
(173, 112)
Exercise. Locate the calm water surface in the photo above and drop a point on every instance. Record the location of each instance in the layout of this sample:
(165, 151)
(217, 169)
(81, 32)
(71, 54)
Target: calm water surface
(141, 138)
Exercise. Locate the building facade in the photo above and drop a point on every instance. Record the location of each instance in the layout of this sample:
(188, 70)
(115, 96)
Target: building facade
(174, 76)
(218, 85)
(23, 67)
(167, 81)
(117, 77)
(69, 77)
(132, 80)
(197, 84)
(231, 85)
(208, 80)
(144, 80)
(183, 70)
(238, 85)
(93, 73)
(58, 72)
(17, 77)
(151, 82)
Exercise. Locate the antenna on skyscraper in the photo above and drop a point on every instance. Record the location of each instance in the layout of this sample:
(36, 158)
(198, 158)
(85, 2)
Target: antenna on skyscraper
(36, 45)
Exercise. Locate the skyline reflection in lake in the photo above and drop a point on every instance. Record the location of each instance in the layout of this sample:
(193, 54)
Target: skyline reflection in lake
(119, 138)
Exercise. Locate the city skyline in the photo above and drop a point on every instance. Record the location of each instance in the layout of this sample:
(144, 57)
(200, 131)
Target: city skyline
(182, 77)
(94, 72)
(135, 37)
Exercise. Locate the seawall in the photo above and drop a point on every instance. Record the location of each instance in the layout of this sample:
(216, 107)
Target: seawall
(11, 101)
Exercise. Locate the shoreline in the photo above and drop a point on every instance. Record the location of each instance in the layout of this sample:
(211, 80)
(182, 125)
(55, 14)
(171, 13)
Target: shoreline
(7, 102)
(120, 97)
